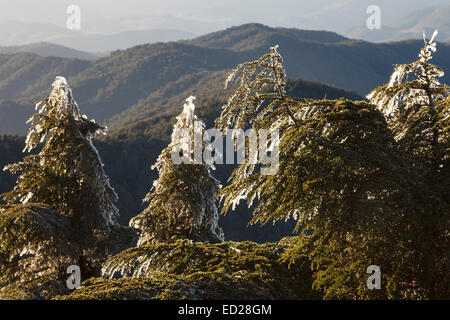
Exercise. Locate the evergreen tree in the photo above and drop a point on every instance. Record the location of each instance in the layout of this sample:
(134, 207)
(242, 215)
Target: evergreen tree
(416, 106)
(341, 176)
(182, 202)
(413, 102)
(67, 174)
(36, 247)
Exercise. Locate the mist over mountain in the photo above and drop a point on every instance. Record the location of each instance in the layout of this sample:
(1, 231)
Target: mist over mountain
(200, 17)
(30, 34)
(49, 50)
(110, 42)
(410, 26)
(107, 27)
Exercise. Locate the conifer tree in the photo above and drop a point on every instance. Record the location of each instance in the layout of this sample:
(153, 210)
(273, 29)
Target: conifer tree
(36, 247)
(341, 176)
(416, 107)
(414, 103)
(67, 174)
(182, 202)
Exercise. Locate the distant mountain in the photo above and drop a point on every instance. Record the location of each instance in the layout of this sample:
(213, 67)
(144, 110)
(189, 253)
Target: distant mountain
(323, 56)
(123, 40)
(12, 117)
(49, 50)
(409, 27)
(248, 37)
(15, 33)
(151, 81)
(24, 75)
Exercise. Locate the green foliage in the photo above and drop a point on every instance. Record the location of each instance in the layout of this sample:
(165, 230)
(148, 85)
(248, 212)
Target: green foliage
(68, 177)
(187, 270)
(67, 174)
(417, 110)
(176, 208)
(36, 247)
(354, 191)
(182, 202)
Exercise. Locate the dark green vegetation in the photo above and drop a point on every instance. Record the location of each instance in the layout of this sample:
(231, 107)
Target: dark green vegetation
(182, 203)
(38, 244)
(366, 182)
(32, 262)
(187, 270)
(67, 176)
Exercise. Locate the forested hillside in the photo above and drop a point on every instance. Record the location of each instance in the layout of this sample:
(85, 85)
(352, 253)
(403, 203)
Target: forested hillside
(137, 83)
(128, 152)
(26, 75)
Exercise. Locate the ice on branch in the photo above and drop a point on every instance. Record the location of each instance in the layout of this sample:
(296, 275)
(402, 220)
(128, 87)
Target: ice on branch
(412, 84)
(259, 80)
(182, 202)
(68, 154)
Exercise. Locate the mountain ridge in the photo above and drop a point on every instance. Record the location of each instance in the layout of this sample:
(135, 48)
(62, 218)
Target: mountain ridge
(130, 85)
(45, 49)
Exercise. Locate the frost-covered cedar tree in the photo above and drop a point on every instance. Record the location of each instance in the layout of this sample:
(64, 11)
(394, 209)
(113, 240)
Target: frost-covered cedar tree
(341, 176)
(36, 247)
(182, 201)
(416, 106)
(414, 102)
(68, 175)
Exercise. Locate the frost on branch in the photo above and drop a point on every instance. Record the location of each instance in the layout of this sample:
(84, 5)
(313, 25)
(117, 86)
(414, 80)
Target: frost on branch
(415, 104)
(341, 174)
(182, 202)
(259, 81)
(35, 249)
(423, 88)
(67, 175)
(260, 102)
(59, 106)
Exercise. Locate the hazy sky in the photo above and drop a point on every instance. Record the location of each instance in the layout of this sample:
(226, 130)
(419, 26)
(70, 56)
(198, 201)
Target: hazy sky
(201, 16)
